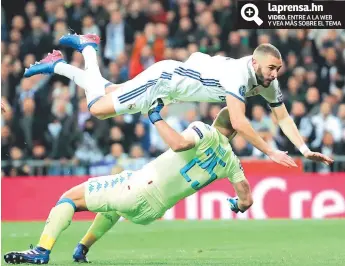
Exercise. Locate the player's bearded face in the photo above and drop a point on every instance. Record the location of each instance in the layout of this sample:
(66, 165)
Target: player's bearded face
(265, 75)
(260, 77)
(267, 70)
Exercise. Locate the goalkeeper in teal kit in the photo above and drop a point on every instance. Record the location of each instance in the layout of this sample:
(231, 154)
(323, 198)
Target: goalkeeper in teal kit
(197, 157)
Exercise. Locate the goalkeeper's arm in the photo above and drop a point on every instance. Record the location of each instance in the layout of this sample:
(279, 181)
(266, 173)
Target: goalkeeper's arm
(176, 141)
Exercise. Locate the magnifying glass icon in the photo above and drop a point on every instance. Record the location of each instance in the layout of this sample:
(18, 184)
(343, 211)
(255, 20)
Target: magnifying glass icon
(250, 12)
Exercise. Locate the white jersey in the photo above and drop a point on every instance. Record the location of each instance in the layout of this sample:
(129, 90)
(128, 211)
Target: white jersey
(176, 175)
(205, 78)
(202, 78)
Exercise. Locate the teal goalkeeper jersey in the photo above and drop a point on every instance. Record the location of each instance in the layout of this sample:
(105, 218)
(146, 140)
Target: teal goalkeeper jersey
(176, 175)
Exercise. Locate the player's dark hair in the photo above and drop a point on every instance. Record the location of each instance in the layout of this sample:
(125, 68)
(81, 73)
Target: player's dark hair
(267, 48)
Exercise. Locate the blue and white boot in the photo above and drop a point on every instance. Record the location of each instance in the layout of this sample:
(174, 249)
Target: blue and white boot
(46, 65)
(80, 252)
(35, 255)
(79, 42)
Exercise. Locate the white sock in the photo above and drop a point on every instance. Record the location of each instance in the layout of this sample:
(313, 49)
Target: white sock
(78, 75)
(94, 87)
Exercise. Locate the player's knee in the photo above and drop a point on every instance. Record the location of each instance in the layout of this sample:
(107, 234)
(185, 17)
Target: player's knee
(102, 107)
(76, 196)
(69, 194)
(67, 198)
(97, 111)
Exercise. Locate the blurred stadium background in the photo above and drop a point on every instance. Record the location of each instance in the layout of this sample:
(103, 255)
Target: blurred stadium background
(49, 141)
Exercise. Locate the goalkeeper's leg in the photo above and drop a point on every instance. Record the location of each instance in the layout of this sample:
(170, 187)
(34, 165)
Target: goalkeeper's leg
(101, 224)
(58, 220)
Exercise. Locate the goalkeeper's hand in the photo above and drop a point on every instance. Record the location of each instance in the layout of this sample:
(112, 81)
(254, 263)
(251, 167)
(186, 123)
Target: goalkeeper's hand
(233, 204)
(154, 111)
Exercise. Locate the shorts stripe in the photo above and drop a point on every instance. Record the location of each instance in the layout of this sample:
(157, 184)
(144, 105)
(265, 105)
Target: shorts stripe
(166, 75)
(187, 74)
(196, 75)
(136, 92)
(131, 92)
(204, 82)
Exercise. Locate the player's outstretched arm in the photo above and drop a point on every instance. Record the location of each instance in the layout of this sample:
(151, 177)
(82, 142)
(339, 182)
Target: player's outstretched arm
(290, 129)
(175, 140)
(243, 127)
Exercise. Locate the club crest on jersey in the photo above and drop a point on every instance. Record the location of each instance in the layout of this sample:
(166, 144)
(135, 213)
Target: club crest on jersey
(222, 98)
(131, 106)
(242, 91)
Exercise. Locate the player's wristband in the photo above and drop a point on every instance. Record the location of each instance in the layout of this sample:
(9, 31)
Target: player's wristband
(154, 117)
(304, 149)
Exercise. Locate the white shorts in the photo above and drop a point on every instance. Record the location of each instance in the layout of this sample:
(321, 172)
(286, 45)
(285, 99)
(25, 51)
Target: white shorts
(124, 193)
(138, 94)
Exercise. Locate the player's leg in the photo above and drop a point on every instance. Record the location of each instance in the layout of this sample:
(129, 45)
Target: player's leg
(123, 100)
(129, 201)
(101, 224)
(54, 63)
(61, 215)
(105, 195)
(94, 89)
(245, 199)
(58, 220)
(95, 85)
(79, 76)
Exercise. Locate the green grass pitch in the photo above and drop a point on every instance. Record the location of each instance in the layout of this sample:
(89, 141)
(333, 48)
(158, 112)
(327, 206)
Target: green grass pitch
(252, 242)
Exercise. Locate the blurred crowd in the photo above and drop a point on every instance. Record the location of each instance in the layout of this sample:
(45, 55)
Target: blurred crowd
(47, 118)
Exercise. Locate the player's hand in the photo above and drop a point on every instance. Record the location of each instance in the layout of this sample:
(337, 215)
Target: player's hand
(318, 157)
(154, 111)
(233, 204)
(282, 158)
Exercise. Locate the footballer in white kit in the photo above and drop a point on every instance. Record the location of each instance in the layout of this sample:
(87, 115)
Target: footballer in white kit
(199, 156)
(202, 78)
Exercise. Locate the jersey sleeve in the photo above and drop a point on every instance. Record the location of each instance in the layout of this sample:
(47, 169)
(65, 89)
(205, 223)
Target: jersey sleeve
(235, 85)
(273, 94)
(200, 131)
